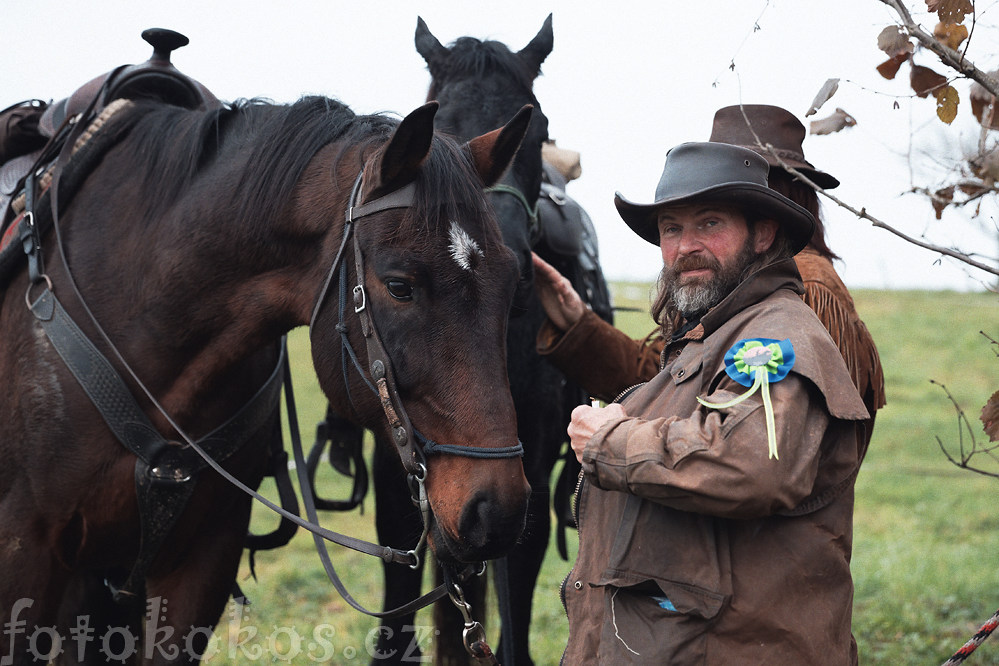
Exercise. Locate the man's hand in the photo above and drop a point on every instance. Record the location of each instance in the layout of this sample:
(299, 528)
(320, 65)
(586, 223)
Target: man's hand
(587, 420)
(561, 302)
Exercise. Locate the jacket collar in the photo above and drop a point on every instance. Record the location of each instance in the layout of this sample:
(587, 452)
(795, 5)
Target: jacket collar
(781, 274)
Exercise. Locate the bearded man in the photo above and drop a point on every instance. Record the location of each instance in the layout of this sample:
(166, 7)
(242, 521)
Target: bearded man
(715, 507)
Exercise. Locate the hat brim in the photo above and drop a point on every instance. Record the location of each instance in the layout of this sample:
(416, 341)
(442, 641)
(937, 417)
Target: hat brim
(798, 223)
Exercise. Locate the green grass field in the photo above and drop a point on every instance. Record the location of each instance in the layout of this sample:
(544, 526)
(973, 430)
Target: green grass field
(926, 542)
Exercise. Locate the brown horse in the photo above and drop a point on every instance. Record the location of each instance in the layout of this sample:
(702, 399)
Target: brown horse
(184, 251)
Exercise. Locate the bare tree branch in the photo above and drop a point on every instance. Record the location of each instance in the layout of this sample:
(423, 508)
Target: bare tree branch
(864, 215)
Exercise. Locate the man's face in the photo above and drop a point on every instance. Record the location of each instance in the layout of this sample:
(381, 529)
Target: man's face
(705, 248)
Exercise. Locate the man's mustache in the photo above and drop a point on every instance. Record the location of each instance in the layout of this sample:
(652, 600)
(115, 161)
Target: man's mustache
(694, 263)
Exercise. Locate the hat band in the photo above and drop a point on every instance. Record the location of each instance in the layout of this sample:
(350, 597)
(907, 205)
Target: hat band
(783, 153)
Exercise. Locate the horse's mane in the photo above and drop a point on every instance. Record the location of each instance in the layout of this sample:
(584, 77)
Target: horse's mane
(267, 147)
(474, 58)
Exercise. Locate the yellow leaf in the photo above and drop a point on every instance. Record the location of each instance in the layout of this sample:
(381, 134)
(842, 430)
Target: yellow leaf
(950, 35)
(947, 101)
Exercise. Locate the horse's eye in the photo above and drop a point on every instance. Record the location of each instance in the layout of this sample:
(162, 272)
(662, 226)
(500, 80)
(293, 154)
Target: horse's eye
(400, 290)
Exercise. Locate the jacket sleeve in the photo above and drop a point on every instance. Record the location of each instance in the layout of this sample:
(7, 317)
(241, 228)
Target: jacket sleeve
(716, 460)
(598, 356)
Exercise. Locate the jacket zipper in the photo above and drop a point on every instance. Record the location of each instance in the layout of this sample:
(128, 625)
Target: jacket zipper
(576, 496)
(625, 392)
(575, 514)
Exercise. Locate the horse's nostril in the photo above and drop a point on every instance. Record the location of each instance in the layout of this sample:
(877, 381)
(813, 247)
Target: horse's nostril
(489, 528)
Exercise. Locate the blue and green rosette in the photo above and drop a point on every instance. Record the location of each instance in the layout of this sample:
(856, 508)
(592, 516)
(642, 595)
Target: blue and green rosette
(756, 363)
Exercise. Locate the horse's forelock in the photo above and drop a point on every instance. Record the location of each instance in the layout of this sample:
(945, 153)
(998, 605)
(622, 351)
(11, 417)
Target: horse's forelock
(473, 58)
(448, 189)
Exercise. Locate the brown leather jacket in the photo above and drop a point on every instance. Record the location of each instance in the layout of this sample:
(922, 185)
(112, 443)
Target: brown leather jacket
(695, 547)
(623, 362)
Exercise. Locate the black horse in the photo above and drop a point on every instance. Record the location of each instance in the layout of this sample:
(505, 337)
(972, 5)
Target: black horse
(479, 85)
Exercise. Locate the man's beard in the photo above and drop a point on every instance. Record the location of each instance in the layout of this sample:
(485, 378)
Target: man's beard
(695, 298)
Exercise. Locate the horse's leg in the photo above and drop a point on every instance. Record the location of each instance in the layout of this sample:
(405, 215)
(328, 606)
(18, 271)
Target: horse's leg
(537, 389)
(192, 576)
(30, 587)
(32, 575)
(95, 625)
(398, 524)
(523, 566)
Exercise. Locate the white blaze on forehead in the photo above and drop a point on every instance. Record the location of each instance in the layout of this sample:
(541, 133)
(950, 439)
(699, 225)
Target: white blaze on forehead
(463, 247)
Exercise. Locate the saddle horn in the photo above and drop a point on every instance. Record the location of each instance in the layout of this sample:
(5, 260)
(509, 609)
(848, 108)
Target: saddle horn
(157, 78)
(164, 41)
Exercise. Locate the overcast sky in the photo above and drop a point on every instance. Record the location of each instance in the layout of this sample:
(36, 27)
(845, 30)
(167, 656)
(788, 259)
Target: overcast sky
(621, 86)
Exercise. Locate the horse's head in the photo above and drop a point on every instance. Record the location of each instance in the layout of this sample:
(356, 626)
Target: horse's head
(437, 284)
(480, 85)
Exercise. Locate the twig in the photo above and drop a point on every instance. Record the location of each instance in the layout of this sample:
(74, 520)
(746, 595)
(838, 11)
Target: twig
(949, 56)
(863, 214)
(964, 425)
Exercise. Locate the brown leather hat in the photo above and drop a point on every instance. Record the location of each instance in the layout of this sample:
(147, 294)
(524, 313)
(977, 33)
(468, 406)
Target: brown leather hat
(773, 125)
(721, 173)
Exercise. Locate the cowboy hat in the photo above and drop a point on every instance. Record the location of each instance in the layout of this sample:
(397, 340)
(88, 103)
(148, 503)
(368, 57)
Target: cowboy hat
(721, 173)
(773, 125)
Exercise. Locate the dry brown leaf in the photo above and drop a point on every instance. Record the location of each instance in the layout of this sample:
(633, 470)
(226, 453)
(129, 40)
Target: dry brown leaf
(986, 166)
(950, 35)
(983, 104)
(894, 40)
(953, 11)
(972, 189)
(990, 417)
(827, 90)
(941, 199)
(889, 68)
(838, 120)
(947, 102)
(925, 81)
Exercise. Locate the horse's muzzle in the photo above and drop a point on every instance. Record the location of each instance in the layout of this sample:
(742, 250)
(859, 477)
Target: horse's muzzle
(488, 528)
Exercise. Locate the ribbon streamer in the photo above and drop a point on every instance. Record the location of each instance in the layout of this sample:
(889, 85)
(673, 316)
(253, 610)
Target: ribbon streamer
(756, 363)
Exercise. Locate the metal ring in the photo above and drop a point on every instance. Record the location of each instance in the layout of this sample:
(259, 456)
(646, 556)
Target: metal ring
(27, 293)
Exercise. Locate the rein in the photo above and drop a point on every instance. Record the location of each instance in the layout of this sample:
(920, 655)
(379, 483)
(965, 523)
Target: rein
(533, 221)
(107, 391)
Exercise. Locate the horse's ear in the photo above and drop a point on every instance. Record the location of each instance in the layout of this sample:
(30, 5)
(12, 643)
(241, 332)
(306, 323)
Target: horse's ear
(404, 153)
(535, 53)
(492, 153)
(430, 48)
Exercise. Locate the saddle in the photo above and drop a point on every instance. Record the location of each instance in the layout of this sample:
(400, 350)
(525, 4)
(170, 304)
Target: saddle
(32, 127)
(567, 231)
(155, 79)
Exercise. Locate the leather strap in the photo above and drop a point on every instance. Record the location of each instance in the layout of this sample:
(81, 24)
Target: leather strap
(165, 471)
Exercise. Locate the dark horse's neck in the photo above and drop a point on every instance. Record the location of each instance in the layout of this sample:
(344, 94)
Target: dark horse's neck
(205, 229)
